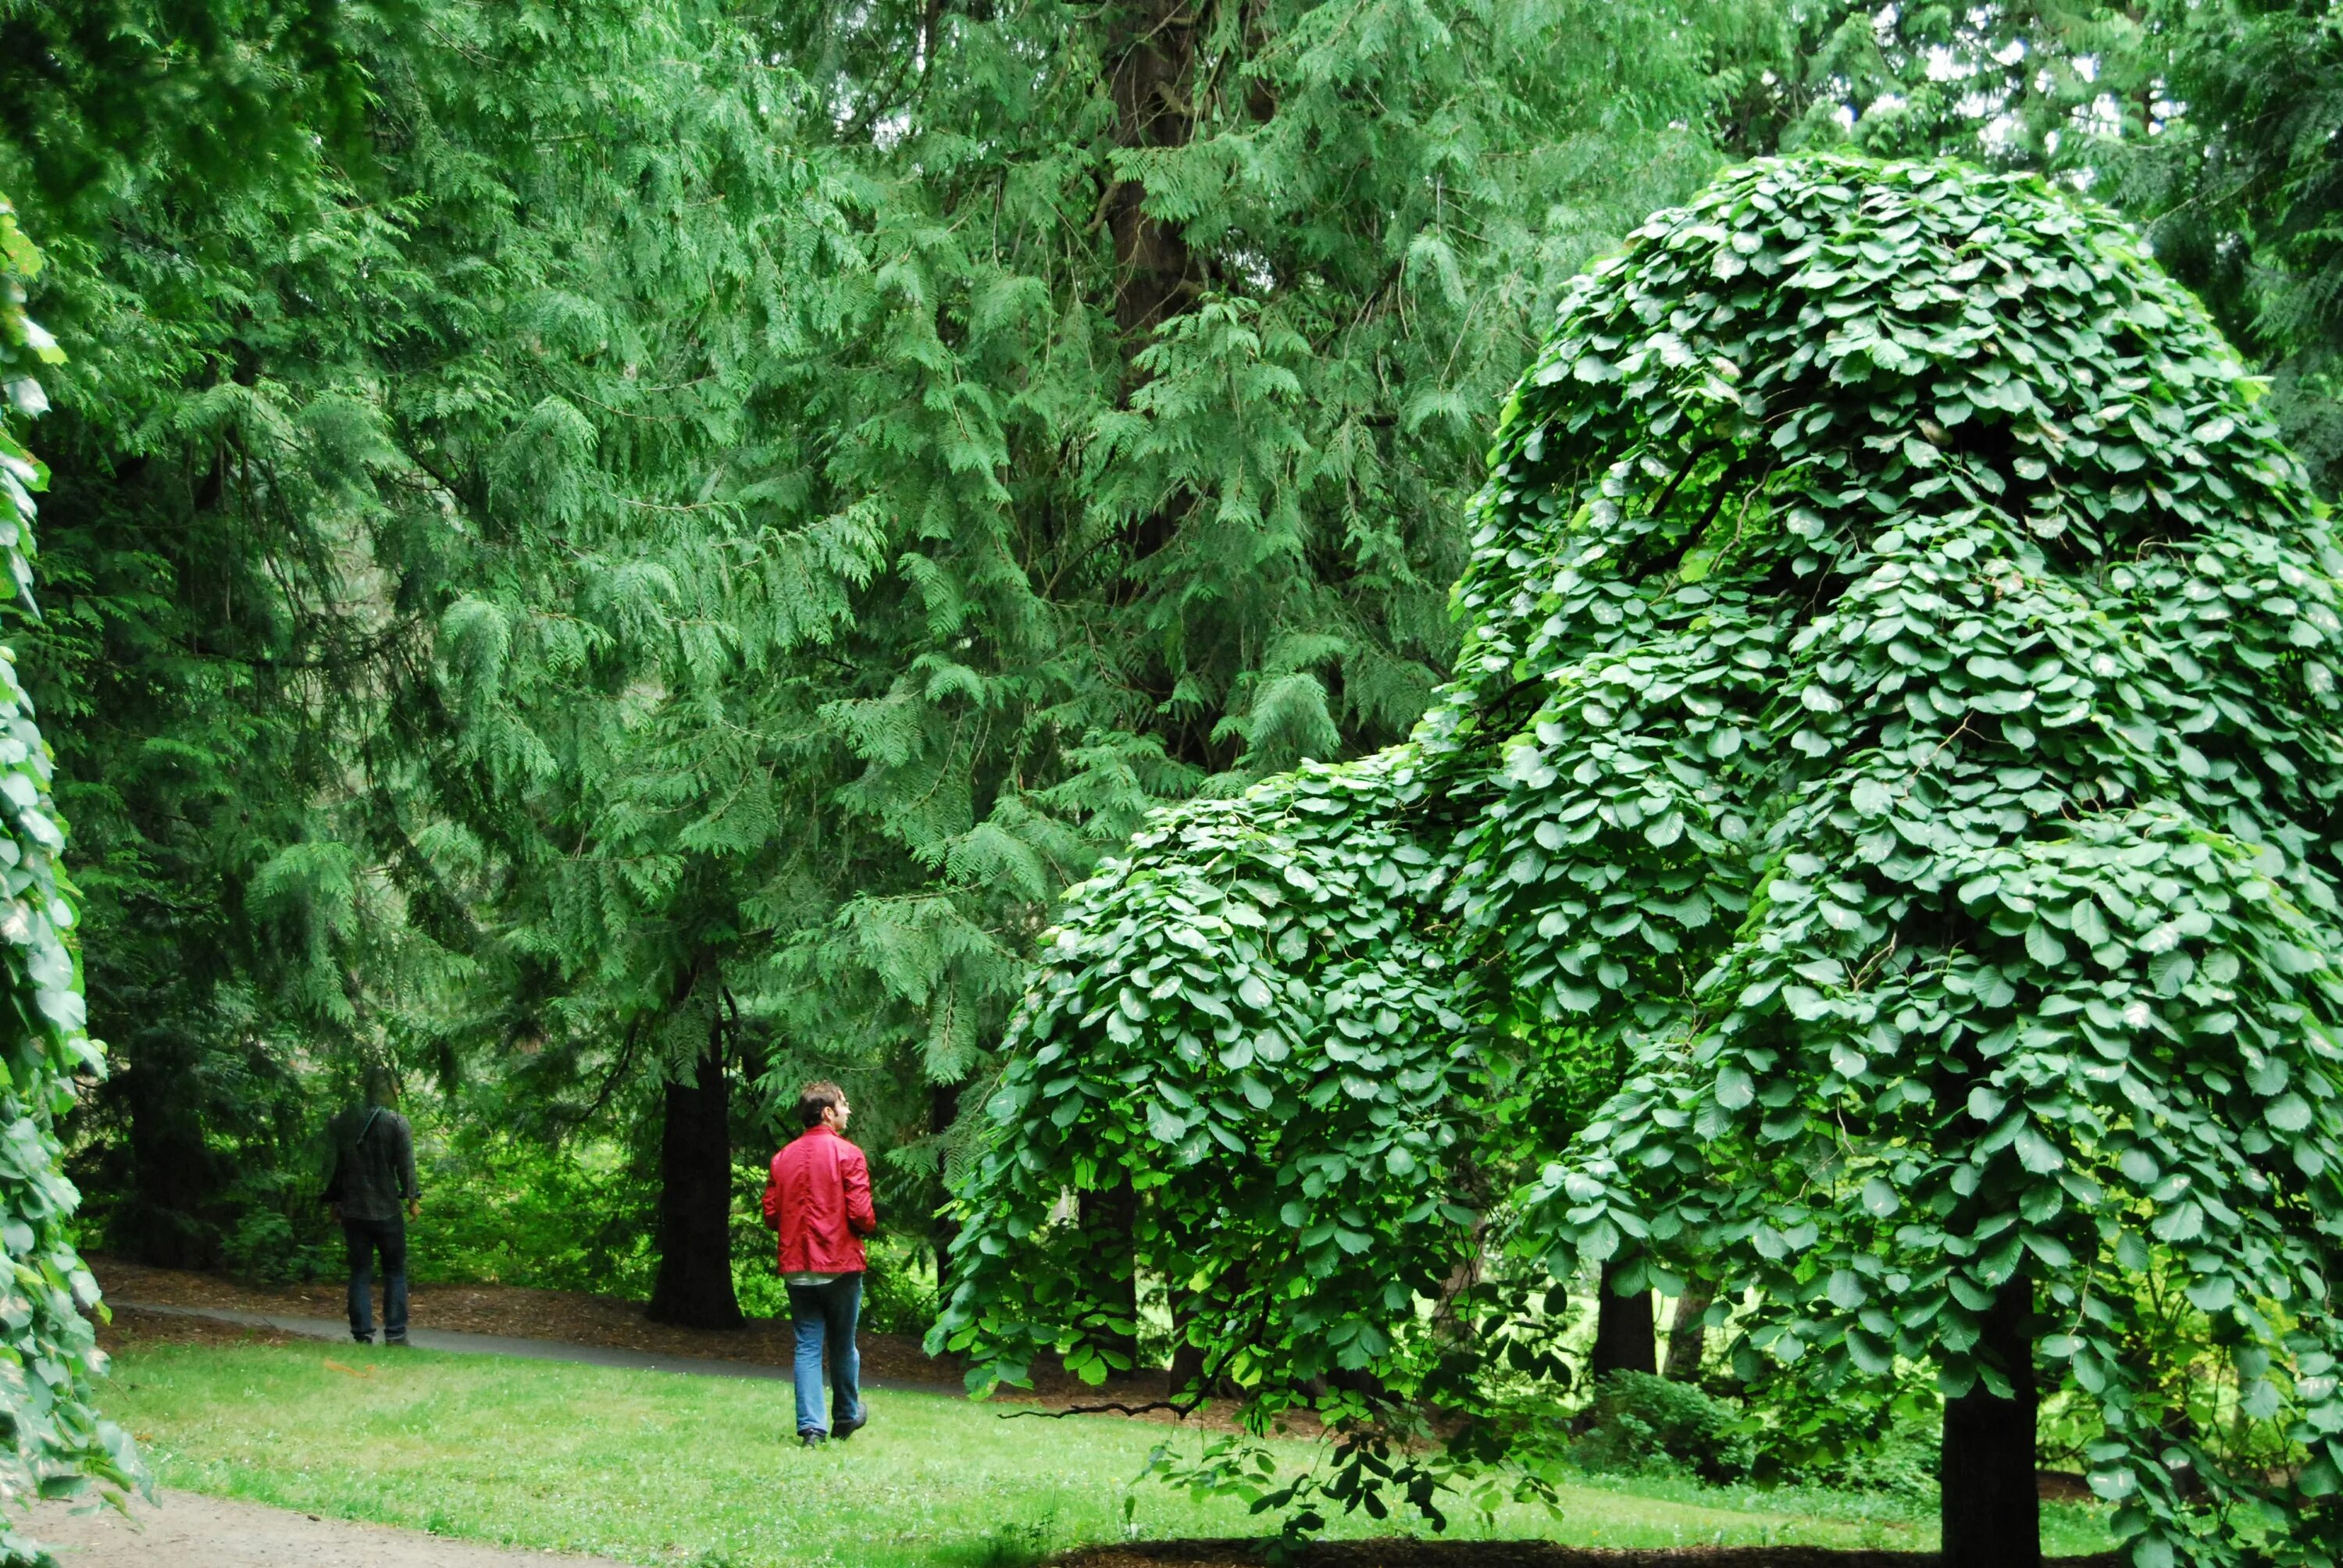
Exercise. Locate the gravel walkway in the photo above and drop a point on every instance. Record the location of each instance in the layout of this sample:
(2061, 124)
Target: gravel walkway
(183, 1530)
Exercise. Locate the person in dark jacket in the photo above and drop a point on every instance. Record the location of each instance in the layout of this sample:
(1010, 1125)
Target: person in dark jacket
(820, 1201)
(374, 1175)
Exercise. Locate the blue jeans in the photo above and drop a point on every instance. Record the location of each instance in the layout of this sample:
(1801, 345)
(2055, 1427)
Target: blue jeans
(826, 1313)
(365, 1239)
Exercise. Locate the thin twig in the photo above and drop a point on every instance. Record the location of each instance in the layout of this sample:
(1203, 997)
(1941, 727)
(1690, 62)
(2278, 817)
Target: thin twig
(1111, 1408)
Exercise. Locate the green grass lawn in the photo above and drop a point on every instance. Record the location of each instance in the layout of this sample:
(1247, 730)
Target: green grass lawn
(659, 1469)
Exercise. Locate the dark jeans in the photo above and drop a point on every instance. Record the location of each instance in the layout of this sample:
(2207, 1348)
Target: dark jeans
(365, 1238)
(826, 1313)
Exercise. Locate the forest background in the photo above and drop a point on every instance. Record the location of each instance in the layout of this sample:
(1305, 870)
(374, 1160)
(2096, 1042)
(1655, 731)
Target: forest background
(618, 557)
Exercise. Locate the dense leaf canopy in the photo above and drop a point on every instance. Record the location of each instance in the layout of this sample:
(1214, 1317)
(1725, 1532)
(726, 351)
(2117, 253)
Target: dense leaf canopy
(1896, 721)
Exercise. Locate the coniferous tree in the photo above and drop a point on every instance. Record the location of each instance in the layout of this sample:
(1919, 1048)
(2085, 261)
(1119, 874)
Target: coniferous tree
(1157, 362)
(211, 483)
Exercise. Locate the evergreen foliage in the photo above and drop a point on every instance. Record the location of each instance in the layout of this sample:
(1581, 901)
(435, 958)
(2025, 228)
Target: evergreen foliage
(1161, 524)
(1895, 723)
(559, 510)
(215, 631)
(56, 1445)
(2239, 191)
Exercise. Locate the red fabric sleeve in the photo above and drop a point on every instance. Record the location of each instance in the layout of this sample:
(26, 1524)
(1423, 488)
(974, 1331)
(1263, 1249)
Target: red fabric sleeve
(774, 1195)
(860, 1217)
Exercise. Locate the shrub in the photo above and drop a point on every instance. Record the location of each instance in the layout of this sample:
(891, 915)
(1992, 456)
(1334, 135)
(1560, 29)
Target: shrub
(1640, 1423)
(899, 1293)
(1858, 1435)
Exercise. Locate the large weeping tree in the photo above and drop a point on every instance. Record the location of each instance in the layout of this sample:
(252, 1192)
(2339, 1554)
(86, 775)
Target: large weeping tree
(1895, 740)
(1965, 615)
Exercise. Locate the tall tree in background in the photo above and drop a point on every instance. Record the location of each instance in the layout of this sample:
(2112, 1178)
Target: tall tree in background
(202, 633)
(2241, 191)
(1155, 354)
(618, 724)
(368, 361)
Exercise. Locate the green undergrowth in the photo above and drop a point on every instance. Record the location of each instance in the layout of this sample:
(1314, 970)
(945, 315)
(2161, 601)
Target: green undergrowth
(659, 1469)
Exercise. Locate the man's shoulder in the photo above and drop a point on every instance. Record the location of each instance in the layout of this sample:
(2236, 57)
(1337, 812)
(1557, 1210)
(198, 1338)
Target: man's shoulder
(816, 1143)
(358, 1119)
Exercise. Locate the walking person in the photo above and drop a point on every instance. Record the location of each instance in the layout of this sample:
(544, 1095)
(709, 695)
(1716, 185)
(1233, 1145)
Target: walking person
(373, 1174)
(820, 1201)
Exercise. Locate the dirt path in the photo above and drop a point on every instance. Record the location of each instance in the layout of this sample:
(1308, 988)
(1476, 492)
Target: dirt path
(558, 1324)
(509, 1311)
(333, 1331)
(182, 1530)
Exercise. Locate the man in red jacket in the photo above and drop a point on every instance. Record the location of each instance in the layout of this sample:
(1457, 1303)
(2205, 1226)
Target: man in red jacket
(820, 1201)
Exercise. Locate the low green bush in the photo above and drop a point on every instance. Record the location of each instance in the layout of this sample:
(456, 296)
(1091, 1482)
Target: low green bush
(1787, 1432)
(899, 1293)
(1856, 1435)
(1638, 1423)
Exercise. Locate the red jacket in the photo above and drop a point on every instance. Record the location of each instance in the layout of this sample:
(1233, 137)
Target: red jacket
(820, 1201)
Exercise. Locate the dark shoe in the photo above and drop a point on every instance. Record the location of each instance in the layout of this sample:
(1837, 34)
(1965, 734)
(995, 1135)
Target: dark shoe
(812, 1439)
(362, 1338)
(845, 1429)
(400, 1341)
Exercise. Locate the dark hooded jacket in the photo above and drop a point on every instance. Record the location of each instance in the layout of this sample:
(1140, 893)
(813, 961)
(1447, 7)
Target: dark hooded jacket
(374, 1163)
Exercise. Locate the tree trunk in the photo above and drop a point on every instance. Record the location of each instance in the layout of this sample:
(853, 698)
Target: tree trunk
(1150, 53)
(1110, 1221)
(1992, 1515)
(1687, 1335)
(694, 1285)
(943, 1109)
(1151, 58)
(1624, 1330)
(174, 1176)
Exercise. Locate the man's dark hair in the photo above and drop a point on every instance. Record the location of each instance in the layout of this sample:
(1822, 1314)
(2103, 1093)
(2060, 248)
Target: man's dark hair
(817, 1097)
(381, 1085)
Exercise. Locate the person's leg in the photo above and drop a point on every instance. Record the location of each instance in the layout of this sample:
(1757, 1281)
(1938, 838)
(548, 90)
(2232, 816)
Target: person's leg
(843, 1306)
(806, 1318)
(391, 1235)
(359, 1239)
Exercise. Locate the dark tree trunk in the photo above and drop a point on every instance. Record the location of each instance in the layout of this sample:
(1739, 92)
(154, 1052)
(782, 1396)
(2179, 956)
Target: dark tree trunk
(694, 1285)
(174, 1176)
(943, 1109)
(1151, 60)
(1110, 1221)
(1150, 51)
(1687, 1335)
(1992, 1515)
(1625, 1330)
